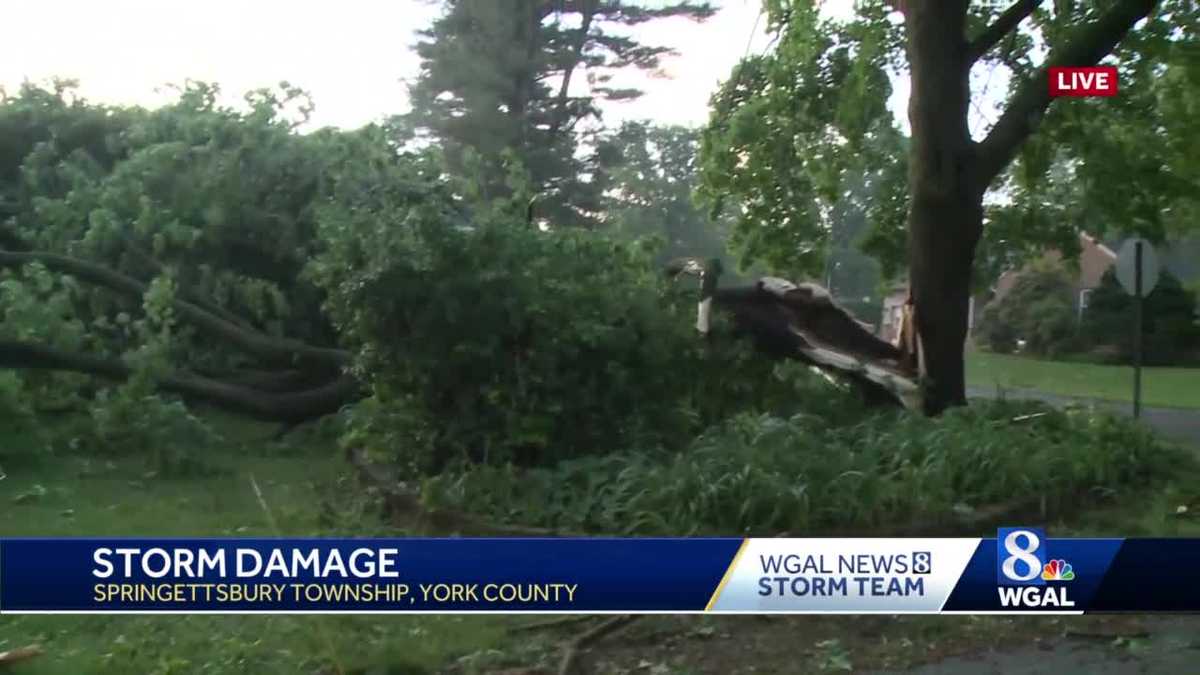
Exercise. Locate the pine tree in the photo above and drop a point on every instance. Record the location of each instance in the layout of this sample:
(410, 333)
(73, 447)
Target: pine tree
(499, 82)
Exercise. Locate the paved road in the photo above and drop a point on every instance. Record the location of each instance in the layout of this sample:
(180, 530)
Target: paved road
(1181, 424)
(1169, 646)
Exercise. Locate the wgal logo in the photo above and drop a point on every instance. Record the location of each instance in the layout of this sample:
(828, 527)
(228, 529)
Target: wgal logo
(1022, 560)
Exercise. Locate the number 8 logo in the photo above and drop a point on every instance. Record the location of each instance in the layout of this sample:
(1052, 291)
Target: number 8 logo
(1033, 565)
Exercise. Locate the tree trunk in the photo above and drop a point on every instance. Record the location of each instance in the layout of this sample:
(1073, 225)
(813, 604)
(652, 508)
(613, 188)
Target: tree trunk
(293, 406)
(588, 9)
(945, 217)
(948, 172)
(942, 235)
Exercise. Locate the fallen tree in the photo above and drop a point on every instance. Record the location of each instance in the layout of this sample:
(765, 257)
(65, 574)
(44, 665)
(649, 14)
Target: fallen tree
(784, 319)
(289, 407)
(270, 350)
(308, 382)
(222, 258)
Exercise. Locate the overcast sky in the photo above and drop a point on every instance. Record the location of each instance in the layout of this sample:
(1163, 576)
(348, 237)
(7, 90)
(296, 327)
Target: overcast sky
(352, 55)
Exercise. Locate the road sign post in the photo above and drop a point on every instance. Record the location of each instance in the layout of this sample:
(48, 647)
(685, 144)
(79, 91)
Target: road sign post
(1137, 270)
(1137, 331)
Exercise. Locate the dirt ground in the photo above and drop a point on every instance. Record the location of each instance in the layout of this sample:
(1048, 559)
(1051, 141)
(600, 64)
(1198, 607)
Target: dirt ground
(936, 645)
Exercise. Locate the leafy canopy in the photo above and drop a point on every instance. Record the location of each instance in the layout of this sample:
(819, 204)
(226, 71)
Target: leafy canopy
(791, 129)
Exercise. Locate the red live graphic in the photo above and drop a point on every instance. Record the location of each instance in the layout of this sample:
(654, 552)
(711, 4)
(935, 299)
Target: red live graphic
(1083, 81)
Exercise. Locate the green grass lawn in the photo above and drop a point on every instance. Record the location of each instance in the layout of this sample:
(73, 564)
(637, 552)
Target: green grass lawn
(1167, 387)
(304, 486)
(309, 491)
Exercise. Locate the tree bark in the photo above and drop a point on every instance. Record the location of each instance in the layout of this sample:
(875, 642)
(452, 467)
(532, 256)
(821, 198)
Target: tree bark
(945, 217)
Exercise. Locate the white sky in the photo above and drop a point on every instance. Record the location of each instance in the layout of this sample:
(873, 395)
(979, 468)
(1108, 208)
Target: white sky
(353, 55)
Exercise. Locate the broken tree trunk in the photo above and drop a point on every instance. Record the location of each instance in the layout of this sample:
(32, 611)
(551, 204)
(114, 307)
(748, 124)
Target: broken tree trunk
(802, 322)
(827, 335)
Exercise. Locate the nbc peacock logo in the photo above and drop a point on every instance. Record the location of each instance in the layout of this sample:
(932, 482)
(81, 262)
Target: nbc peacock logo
(1058, 570)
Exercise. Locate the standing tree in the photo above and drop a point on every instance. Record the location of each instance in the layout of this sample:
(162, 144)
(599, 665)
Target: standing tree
(652, 182)
(499, 85)
(788, 127)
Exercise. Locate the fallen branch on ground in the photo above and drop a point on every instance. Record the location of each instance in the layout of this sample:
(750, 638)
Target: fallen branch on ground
(280, 351)
(294, 406)
(552, 623)
(589, 638)
(19, 654)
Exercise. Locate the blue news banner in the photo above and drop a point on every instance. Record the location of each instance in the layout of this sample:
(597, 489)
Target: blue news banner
(1021, 570)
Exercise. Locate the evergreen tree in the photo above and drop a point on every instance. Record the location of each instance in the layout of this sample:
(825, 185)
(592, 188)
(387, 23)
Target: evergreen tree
(1171, 331)
(499, 87)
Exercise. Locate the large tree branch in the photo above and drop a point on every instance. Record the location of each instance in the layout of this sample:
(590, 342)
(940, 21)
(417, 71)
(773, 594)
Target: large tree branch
(1004, 24)
(1086, 47)
(295, 406)
(267, 381)
(156, 267)
(274, 350)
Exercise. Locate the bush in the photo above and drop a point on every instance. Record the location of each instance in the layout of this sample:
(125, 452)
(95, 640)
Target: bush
(17, 419)
(1051, 327)
(1039, 310)
(996, 331)
(498, 342)
(131, 420)
(764, 474)
(1171, 335)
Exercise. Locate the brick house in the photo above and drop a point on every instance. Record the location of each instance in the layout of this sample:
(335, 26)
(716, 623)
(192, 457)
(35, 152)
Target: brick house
(1094, 260)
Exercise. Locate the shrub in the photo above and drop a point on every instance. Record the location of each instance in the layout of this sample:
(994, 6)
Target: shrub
(1169, 315)
(996, 331)
(764, 474)
(484, 338)
(131, 420)
(17, 419)
(1051, 326)
(499, 342)
(1038, 309)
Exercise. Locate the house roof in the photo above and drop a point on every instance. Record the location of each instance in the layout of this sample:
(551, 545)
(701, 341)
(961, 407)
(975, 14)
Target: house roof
(1089, 239)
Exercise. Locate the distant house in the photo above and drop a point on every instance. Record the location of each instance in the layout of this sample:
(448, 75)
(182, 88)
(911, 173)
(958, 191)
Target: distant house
(1094, 260)
(893, 313)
